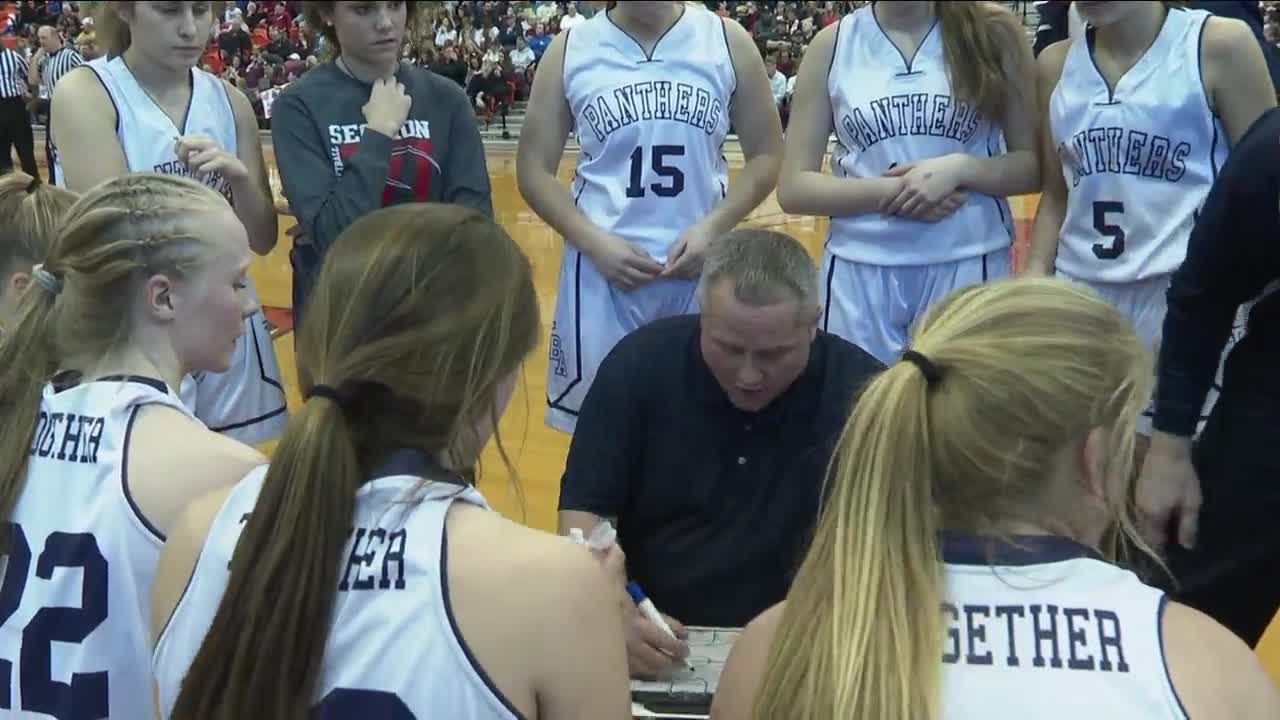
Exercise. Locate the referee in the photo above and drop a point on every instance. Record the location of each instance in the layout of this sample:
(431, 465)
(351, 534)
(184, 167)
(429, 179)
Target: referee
(1216, 501)
(53, 60)
(15, 123)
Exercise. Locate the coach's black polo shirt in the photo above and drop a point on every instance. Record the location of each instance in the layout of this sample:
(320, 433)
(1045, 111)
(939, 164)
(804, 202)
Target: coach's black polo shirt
(1232, 257)
(715, 507)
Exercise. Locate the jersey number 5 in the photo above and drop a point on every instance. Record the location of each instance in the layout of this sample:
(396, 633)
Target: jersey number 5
(86, 695)
(658, 158)
(1101, 209)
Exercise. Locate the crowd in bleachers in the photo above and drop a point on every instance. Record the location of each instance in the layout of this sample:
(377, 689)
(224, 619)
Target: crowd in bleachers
(490, 48)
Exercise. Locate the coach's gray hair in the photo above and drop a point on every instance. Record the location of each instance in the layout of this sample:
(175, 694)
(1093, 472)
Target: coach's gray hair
(765, 267)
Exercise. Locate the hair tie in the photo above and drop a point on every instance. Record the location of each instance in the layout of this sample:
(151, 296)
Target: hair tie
(46, 279)
(33, 185)
(326, 392)
(932, 373)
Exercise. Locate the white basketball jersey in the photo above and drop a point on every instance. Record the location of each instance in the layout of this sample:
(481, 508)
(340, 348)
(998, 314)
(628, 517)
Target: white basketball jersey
(1139, 161)
(651, 128)
(75, 604)
(1046, 629)
(890, 110)
(393, 648)
(248, 401)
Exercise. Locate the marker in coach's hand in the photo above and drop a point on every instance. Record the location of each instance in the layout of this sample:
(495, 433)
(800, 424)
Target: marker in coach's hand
(650, 612)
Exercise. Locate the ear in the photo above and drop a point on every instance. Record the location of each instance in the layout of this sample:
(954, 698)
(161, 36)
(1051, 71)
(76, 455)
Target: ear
(1091, 461)
(159, 298)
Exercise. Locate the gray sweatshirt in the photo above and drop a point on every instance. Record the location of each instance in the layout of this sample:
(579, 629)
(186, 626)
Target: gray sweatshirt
(334, 170)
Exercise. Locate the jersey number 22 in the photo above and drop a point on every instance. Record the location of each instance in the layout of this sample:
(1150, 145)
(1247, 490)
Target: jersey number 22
(86, 695)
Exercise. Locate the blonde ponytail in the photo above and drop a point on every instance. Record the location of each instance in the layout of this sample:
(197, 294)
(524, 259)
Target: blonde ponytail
(1012, 373)
(861, 634)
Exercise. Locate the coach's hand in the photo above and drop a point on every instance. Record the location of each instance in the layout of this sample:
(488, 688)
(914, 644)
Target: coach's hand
(622, 264)
(684, 258)
(651, 653)
(1169, 491)
(925, 185)
(388, 106)
(203, 157)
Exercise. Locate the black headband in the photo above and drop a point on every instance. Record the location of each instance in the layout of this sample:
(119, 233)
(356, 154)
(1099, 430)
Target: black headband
(932, 373)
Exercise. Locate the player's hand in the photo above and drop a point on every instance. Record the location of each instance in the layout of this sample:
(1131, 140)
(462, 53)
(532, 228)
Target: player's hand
(651, 653)
(204, 157)
(614, 563)
(925, 185)
(388, 106)
(684, 258)
(1168, 492)
(946, 208)
(622, 264)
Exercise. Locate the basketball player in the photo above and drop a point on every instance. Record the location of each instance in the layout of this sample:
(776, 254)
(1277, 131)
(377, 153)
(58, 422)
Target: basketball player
(650, 90)
(1013, 416)
(31, 211)
(144, 282)
(145, 107)
(1139, 116)
(932, 105)
(432, 606)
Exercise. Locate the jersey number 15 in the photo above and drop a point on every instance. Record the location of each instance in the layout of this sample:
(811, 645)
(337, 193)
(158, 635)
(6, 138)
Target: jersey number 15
(1115, 249)
(658, 158)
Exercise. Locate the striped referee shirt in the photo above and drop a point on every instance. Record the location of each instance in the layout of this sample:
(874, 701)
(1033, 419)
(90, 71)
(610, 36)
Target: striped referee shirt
(13, 74)
(55, 66)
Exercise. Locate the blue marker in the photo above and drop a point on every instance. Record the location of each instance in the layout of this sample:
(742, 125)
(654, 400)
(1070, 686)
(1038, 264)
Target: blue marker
(647, 608)
(649, 611)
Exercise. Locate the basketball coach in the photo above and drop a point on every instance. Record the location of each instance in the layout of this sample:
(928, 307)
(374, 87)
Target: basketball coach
(1215, 503)
(707, 437)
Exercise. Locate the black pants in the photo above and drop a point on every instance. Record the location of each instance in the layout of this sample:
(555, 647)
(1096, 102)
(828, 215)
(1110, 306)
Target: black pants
(15, 132)
(1233, 573)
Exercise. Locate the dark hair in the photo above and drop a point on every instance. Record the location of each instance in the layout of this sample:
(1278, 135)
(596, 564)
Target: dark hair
(319, 16)
(420, 312)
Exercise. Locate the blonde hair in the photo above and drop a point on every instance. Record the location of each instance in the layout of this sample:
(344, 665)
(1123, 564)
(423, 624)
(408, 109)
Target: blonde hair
(31, 210)
(120, 231)
(1027, 367)
(112, 30)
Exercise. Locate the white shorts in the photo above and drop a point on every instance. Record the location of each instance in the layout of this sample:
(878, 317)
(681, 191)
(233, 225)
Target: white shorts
(875, 306)
(591, 317)
(1145, 303)
(247, 402)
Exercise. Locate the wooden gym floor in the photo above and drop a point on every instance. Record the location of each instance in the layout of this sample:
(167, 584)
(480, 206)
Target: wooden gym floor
(538, 452)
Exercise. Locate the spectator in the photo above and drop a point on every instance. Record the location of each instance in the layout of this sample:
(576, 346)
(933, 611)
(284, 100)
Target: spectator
(777, 81)
(364, 131)
(540, 40)
(572, 19)
(446, 34)
(522, 57)
(449, 65)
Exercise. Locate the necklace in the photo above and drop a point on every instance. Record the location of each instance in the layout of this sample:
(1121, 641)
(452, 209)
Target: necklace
(344, 67)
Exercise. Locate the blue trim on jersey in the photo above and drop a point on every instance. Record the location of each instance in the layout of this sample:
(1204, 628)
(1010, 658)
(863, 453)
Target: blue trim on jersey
(967, 549)
(262, 374)
(724, 29)
(907, 63)
(577, 341)
(648, 56)
(826, 312)
(124, 473)
(457, 632)
(1164, 657)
